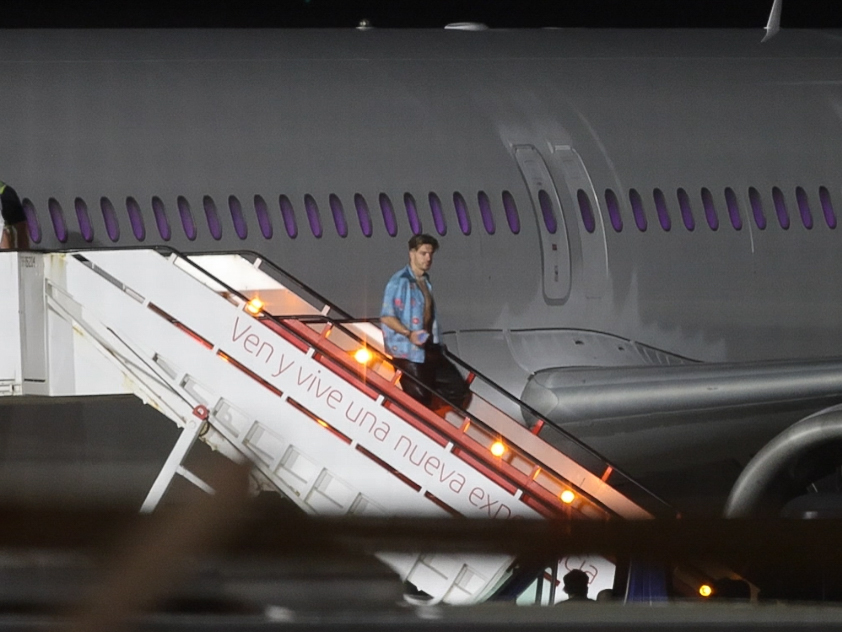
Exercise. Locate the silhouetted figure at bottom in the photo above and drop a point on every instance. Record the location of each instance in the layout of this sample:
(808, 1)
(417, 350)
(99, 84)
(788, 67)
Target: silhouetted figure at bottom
(576, 587)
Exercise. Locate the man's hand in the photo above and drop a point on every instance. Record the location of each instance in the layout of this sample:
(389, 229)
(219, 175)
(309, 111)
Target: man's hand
(418, 337)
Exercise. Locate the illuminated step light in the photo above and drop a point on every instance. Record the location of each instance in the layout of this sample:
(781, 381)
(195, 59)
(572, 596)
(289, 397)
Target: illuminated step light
(498, 448)
(254, 306)
(363, 355)
(705, 590)
(567, 497)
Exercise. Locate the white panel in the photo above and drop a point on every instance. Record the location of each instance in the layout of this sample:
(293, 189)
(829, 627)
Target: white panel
(299, 465)
(11, 375)
(231, 417)
(265, 444)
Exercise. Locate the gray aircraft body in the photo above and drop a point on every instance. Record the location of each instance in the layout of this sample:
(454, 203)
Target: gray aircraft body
(639, 229)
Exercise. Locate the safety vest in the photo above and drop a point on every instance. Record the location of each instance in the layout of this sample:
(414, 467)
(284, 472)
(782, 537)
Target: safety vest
(2, 186)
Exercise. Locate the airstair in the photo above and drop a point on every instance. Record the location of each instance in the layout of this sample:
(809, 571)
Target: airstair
(246, 358)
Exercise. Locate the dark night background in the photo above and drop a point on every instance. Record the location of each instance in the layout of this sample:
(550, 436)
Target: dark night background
(418, 13)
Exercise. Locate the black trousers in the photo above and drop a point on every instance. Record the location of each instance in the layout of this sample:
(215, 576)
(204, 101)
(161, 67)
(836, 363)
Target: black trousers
(437, 373)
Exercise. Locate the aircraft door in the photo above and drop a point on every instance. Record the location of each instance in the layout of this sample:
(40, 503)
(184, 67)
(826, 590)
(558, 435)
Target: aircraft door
(592, 230)
(555, 249)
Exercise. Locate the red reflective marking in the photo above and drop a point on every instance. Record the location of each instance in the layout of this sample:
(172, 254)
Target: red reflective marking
(537, 427)
(606, 473)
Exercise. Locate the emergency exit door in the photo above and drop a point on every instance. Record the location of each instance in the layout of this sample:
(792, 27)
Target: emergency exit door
(552, 229)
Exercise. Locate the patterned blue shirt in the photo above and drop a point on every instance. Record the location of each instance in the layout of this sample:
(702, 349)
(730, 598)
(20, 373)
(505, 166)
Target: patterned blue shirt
(403, 300)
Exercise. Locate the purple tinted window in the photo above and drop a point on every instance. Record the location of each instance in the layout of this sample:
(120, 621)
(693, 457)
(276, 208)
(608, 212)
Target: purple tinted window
(686, 210)
(388, 215)
(547, 212)
(288, 215)
(363, 214)
(313, 217)
(780, 207)
(512, 217)
(733, 208)
(613, 205)
(412, 214)
(804, 207)
(186, 215)
(135, 219)
(263, 218)
(161, 220)
(462, 213)
(57, 217)
(32, 225)
(485, 212)
(710, 209)
(338, 212)
(237, 217)
(112, 227)
(827, 207)
(757, 208)
(637, 210)
(212, 217)
(661, 209)
(438, 214)
(85, 226)
(586, 210)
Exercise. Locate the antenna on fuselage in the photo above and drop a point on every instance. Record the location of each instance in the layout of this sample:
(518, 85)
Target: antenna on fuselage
(774, 23)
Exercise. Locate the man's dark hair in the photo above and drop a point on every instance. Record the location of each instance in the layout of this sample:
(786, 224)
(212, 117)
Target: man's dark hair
(576, 583)
(423, 240)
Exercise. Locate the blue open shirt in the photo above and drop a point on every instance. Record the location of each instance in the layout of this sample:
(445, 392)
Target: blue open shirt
(403, 300)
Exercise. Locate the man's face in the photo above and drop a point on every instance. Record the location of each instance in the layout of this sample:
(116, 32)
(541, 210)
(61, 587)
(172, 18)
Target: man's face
(421, 259)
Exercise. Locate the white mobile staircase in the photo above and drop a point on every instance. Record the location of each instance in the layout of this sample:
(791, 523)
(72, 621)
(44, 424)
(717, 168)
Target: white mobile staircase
(249, 360)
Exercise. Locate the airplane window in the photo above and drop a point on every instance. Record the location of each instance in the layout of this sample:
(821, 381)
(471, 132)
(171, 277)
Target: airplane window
(32, 224)
(547, 211)
(804, 207)
(661, 208)
(827, 207)
(312, 210)
(112, 227)
(586, 211)
(780, 207)
(388, 215)
(710, 209)
(485, 212)
(438, 215)
(512, 217)
(161, 220)
(288, 215)
(85, 226)
(686, 210)
(57, 216)
(240, 226)
(186, 217)
(363, 214)
(412, 214)
(733, 208)
(338, 215)
(212, 217)
(135, 219)
(637, 210)
(613, 205)
(263, 219)
(462, 213)
(757, 208)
